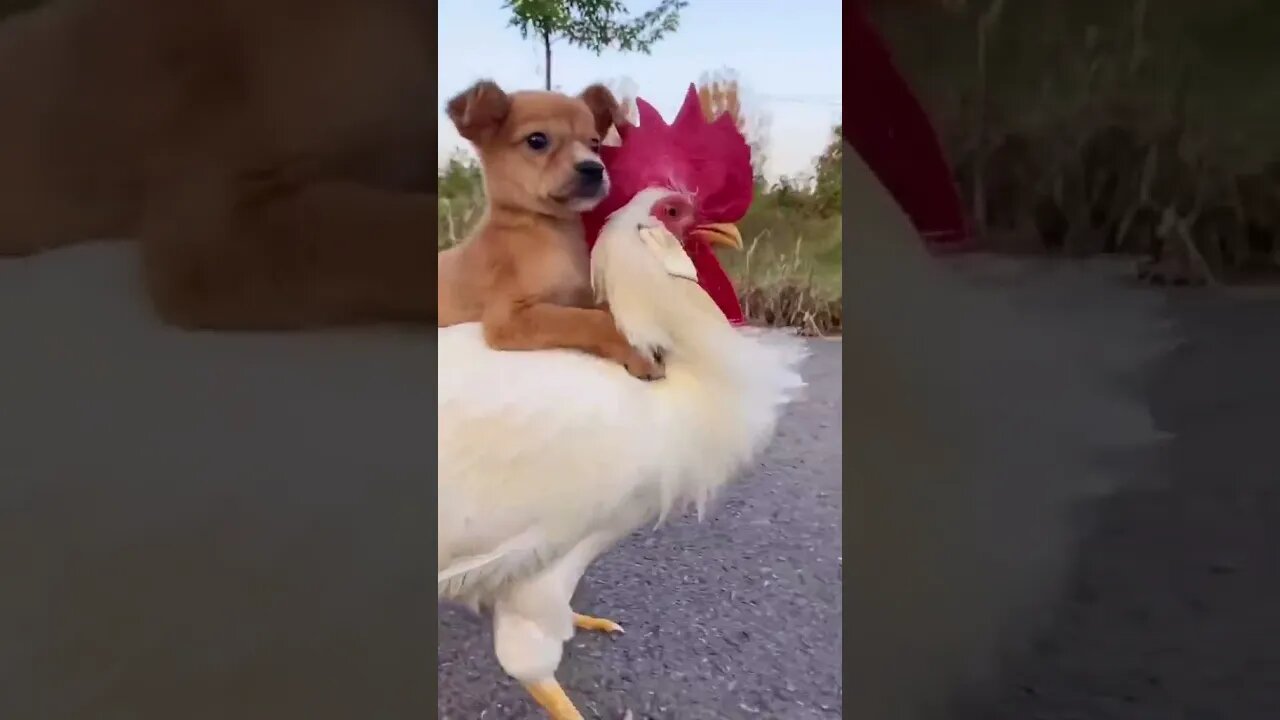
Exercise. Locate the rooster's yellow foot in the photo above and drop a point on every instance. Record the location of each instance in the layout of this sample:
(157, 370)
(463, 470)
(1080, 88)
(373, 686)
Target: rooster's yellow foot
(586, 622)
(552, 698)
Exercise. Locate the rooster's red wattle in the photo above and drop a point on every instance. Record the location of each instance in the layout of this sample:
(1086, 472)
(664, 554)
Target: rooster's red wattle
(709, 160)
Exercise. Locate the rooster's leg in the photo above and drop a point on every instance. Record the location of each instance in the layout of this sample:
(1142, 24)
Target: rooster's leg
(586, 622)
(553, 699)
(532, 620)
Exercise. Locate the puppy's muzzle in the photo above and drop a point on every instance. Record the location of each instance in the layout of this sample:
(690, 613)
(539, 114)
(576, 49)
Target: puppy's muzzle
(591, 179)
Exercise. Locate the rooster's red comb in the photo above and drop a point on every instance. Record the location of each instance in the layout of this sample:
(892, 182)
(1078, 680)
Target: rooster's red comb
(712, 160)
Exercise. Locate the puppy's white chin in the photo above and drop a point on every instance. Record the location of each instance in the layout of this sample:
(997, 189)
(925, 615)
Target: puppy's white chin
(581, 205)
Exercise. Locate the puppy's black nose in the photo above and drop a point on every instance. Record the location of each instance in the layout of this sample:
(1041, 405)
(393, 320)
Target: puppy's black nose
(590, 170)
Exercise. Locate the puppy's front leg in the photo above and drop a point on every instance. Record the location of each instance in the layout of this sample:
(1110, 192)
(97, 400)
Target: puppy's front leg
(544, 326)
(266, 256)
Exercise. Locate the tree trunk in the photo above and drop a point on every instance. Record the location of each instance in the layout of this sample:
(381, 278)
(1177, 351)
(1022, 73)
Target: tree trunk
(546, 55)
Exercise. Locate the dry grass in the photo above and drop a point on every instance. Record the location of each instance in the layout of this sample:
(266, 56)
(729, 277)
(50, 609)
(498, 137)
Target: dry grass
(790, 292)
(1124, 134)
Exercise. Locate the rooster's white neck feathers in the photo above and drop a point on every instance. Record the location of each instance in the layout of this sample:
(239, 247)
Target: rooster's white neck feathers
(651, 286)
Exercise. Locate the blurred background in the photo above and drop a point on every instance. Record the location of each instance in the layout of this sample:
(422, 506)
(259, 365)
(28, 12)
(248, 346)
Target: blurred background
(1149, 128)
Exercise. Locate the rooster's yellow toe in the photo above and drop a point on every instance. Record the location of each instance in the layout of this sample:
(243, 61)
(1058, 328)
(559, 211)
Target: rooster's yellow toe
(586, 622)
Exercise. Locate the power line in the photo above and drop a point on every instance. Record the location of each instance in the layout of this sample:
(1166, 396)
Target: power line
(825, 100)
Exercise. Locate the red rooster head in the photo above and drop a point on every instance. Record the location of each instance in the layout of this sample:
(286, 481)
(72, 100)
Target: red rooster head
(710, 162)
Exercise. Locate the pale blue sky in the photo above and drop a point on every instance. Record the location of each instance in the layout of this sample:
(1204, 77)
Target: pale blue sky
(786, 54)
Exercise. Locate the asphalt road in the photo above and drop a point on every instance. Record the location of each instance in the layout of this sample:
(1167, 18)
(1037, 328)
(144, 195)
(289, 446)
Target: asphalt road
(1174, 609)
(1171, 608)
(735, 617)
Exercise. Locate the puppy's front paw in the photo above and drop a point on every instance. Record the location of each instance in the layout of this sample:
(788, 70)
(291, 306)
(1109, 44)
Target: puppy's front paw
(643, 366)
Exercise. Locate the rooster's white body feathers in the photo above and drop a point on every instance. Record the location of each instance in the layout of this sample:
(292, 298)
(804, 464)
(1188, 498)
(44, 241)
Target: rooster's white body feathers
(547, 458)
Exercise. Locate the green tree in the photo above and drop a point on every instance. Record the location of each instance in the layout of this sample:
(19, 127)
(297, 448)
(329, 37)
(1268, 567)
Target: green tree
(593, 24)
(460, 177)
(828, 178)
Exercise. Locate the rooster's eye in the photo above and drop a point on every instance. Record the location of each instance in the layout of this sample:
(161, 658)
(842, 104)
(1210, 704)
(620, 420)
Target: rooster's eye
(672, 212)
(537, 141)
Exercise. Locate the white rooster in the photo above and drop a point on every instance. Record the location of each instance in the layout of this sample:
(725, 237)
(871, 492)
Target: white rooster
(546, 459)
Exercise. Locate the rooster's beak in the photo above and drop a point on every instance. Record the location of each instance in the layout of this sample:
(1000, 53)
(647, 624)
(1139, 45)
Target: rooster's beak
(719, 234)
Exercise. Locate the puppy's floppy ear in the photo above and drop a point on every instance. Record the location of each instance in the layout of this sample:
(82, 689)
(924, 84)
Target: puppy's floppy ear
(604, 107)
(479, 110)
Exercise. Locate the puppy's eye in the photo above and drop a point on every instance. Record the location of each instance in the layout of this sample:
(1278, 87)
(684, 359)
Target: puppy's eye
(595, 145)
(537, 141)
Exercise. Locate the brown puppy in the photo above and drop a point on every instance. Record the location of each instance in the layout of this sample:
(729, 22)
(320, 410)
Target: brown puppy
(524, 272)
(271, 155)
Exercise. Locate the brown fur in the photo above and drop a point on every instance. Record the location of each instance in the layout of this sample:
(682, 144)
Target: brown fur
(274, 169)
(524, 272)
